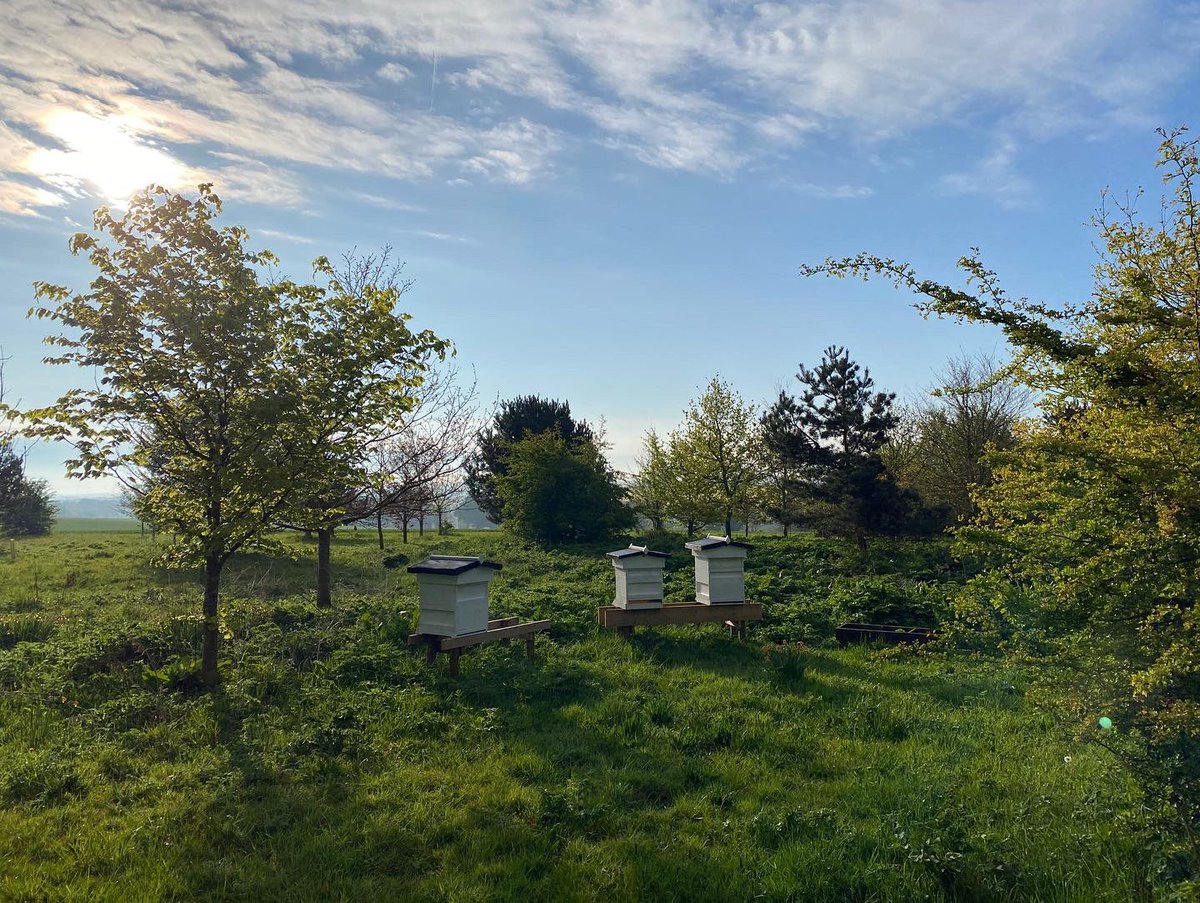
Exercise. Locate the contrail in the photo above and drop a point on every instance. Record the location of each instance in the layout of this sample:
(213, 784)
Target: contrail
(433, 79)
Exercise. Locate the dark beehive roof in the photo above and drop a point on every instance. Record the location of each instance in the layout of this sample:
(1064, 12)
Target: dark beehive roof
(712, 542)
(638, 550)
(450, 565)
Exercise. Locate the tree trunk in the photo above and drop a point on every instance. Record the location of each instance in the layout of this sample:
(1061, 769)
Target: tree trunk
(421, 525)
(379, 528)
(441, 526)
(785, 528)
(404, 529)
(212, 633)
(324, 540)
(728, 522)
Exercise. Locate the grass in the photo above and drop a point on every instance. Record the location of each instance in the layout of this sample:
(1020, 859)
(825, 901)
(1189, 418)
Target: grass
(676, 765)
(96, 525)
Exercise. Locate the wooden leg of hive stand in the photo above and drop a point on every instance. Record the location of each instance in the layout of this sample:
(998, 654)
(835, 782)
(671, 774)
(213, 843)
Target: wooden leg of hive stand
(431, 650)
(455, 655)
(626, 631)
(529, 647)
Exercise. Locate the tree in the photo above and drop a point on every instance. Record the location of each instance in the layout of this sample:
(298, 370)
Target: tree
(554, 490)
(30, 511)
(422, 468)
(516, 419)
(690, 499)
(195, 410)
(785, 448)
(361, 369)
(717, 447)
(650, 490)
(845, 425)
(974, 411)
(26, 508)
(1090, 528)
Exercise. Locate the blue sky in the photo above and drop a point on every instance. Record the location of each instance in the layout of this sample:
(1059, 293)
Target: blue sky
(607, 201)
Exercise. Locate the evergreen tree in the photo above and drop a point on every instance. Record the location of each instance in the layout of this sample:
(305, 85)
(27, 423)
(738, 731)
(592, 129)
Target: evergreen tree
(786, 447)
(845, 424)
(517, 419)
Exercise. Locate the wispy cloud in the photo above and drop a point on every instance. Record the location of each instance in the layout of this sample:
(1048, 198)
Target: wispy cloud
(286, 236)
(273, 89)
(996, 177)
(831, 192)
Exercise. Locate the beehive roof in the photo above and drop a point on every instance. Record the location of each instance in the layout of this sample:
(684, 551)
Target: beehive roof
(450, 565)
(712, 542)
(638, 550)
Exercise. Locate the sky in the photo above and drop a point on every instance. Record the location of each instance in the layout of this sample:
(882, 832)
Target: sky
(605, 202)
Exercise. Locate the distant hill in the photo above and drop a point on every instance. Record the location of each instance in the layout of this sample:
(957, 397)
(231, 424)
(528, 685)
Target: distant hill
(87, 506)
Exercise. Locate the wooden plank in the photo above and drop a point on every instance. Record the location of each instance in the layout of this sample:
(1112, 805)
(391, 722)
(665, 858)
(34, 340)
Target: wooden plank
(491, 636)
(416, 639)
(677, 613)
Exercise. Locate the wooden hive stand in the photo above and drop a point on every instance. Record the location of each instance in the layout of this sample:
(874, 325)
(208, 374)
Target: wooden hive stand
(733, 614)
(499, 630)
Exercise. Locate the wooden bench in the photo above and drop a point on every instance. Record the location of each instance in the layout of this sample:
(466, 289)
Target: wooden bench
(499, 630)
(733, 614)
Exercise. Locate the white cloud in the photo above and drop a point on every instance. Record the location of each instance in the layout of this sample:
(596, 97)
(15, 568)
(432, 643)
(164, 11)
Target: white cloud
(19, 199)
(832, 192)
(694, 85)
(285, 236)
(394, 72)
(994, 176)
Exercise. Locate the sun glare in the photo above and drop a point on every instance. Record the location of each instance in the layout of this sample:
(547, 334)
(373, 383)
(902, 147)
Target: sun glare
(103, 156)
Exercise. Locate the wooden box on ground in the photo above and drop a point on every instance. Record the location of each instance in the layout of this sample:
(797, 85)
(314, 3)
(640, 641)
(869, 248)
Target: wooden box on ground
(720, 569)
(887, 633)
(639, 575)
(454, 594)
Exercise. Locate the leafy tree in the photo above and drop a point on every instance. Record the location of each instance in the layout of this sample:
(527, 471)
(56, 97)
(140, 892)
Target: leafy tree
(690, 499)
(650, 491)
(554, 490)
(29, 511)
(785, 448)
(717, 448)
(944, 455)
(196, 406)
(361, 371)
(516, 419)
(1091, 525)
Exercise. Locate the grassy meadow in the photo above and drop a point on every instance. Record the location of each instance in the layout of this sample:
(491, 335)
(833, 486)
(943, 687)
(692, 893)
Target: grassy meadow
(678, 764)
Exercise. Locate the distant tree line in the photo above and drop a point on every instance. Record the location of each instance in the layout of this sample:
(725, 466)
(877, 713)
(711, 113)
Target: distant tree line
(839, 457)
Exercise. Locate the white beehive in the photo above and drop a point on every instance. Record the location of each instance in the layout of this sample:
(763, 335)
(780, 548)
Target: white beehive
(454, 594)
(639, 574)
(720, 575)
